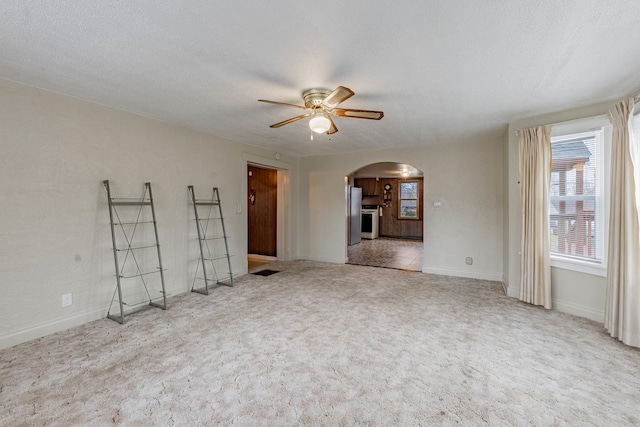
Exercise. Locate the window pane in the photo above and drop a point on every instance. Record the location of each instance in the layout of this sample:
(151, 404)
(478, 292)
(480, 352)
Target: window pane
(408, 208)
(575, 196)
(408, 190)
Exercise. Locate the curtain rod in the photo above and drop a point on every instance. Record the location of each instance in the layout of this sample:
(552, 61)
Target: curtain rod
(597, 116)
(635, 97)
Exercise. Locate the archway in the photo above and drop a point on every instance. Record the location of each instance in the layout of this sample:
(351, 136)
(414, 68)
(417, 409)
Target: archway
(391, 216)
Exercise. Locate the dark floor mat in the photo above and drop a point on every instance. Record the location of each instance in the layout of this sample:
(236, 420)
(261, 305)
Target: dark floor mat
(266, 272)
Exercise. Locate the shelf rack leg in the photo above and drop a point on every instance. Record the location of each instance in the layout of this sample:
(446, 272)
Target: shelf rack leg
(120, 318)
(155, 229)
(224, 233)
(204, 291)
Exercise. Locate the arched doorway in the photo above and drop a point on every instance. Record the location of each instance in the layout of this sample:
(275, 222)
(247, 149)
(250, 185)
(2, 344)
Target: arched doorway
(391, 214)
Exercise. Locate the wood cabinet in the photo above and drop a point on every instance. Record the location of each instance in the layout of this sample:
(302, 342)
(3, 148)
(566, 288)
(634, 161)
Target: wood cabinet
(370, 191)
(369, 186)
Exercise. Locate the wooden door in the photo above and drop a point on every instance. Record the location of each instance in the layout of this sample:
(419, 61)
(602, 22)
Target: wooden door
(262, 208)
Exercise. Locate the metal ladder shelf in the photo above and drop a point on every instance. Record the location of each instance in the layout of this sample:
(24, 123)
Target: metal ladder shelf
(210, 252)
(136, 296)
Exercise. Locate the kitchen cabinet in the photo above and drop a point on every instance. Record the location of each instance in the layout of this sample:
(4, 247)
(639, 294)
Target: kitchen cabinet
(368, 185)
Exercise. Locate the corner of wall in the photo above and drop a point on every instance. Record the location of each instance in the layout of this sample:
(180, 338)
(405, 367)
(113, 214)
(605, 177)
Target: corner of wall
(505, 210)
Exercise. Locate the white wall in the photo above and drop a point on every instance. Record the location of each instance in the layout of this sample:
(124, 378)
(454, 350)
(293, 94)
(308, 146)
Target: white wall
(573, 292)
(54, 232)
(466, 176)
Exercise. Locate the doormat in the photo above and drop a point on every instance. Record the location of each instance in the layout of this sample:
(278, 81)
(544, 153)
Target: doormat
(266, 272)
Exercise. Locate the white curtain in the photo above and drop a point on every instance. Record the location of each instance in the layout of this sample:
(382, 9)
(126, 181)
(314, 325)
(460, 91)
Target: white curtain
(622, 309)
(535, 177)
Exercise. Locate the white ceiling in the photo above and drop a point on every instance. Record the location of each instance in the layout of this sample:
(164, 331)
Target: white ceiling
(440, 71)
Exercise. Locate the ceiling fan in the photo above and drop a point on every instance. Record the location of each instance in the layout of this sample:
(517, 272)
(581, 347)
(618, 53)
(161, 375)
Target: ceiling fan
(321, 104)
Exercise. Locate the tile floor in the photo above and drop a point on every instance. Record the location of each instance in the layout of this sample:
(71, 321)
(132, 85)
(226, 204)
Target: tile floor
(386, 252)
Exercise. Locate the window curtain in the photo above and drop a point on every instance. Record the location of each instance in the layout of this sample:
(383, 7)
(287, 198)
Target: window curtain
(622, 309)
(535, 178)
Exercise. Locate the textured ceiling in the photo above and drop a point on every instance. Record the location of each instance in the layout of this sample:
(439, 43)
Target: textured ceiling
(441, 71)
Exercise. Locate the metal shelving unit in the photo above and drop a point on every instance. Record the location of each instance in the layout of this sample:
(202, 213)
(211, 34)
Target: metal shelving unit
(212, 252)
(125, 217)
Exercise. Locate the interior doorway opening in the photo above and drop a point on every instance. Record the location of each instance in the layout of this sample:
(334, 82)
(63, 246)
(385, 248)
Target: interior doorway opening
(262, 209)
(284, 246)
(386, 216)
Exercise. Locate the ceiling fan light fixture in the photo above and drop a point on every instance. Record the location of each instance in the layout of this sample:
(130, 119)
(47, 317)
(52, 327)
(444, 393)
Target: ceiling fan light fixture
(319, 123)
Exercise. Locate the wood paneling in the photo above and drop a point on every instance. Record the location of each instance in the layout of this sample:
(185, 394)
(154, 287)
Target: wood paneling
(262, 216)
(371, 191)
(390, 225)
(369, 186)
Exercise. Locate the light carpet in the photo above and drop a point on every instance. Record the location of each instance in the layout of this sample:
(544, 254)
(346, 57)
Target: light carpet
(325, 344)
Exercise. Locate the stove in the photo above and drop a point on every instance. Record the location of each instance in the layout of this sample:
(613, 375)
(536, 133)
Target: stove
(370, 214)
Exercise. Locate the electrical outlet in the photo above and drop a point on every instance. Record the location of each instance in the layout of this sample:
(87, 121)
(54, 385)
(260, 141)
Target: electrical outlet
(469, 260)
(67, 300)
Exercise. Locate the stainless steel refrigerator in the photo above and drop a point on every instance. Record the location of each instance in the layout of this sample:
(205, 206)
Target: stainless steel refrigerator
(355, 215)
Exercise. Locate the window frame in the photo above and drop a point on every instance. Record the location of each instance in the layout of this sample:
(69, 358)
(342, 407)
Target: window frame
(417, 199)
(568, 262)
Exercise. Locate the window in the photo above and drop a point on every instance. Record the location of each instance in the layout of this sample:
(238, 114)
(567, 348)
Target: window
(408, 201)
(576, 200)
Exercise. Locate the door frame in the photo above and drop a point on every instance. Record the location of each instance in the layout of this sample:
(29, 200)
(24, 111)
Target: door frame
(284, 214)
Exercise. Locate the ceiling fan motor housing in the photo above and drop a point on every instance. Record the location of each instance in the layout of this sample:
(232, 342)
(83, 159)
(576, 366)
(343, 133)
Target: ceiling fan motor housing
(313, 97)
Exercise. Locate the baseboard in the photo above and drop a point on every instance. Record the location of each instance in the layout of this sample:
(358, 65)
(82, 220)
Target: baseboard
(52, 327)
(496, 277)
(578, 310)
(505, 288)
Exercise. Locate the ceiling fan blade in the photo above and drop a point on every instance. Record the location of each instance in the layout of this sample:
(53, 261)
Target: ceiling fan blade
(358, 114)
(283, 103)
(286, 122)
(337, 96)
(333, 129)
